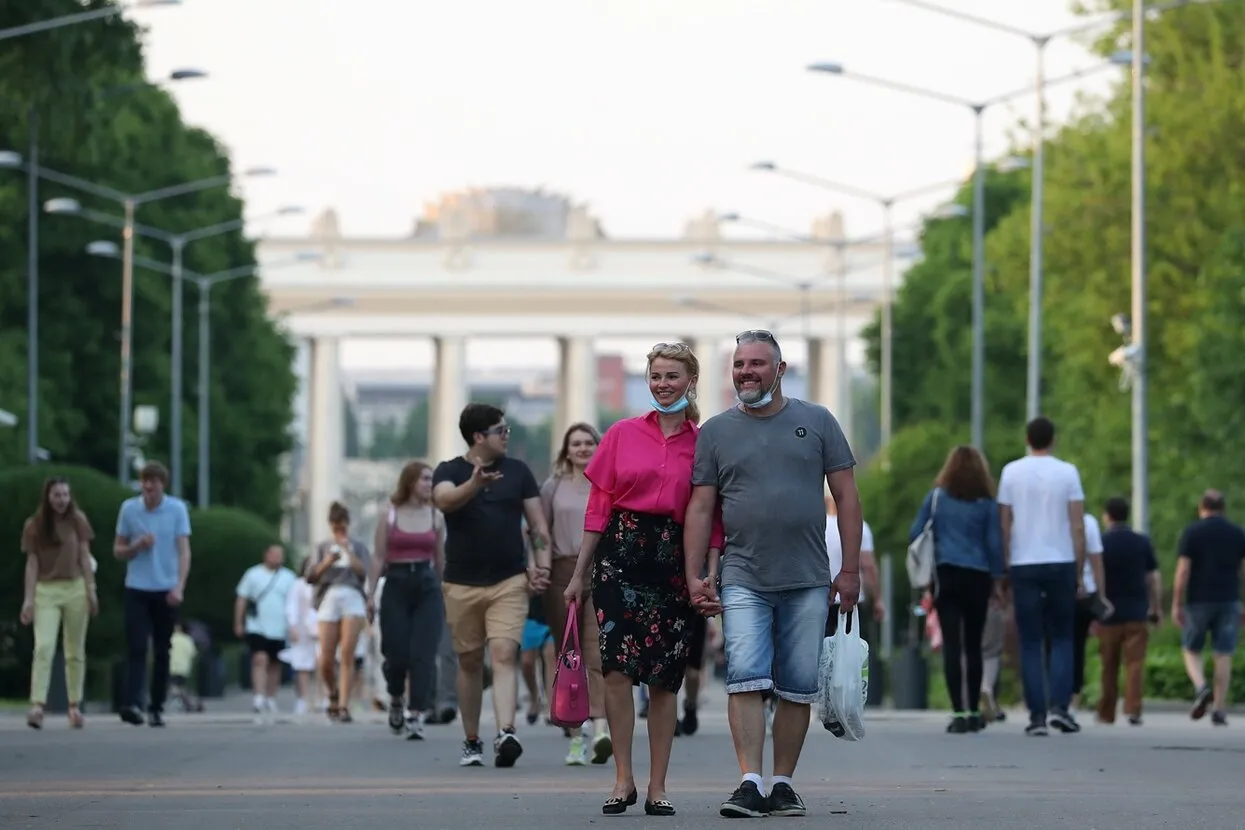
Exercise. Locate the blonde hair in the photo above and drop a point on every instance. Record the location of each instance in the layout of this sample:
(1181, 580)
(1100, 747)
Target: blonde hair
(562, 464)
(682, 353)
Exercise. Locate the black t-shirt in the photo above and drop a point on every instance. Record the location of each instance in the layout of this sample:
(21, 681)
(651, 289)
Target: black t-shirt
(484, 538)
(1215, 548)
(1127, 561)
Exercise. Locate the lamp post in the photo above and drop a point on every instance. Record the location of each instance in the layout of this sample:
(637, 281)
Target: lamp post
(10, 159)
(81, 17)
(177, 243)
(887, 203)
(978, 109)
(131, 202)
(1033, 379)
(1141, 488)
(205, 283)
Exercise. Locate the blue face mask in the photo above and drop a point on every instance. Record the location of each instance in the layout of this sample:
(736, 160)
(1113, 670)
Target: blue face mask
(674, 408)
(765, 400)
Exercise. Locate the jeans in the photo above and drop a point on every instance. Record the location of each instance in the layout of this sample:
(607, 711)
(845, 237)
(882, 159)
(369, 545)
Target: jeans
(411, 617)
(962, 603)
(1045, 601)
(61, 608)
(148, 618)
(773, 640)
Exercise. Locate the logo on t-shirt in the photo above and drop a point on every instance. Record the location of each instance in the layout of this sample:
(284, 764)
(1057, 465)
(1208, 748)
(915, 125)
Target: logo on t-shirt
(800, 432)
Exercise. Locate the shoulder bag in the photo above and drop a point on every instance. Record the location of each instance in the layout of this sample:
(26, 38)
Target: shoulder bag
(921, 561)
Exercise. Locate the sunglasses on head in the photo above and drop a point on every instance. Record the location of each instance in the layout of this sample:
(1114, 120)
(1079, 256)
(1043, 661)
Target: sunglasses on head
(755, 334)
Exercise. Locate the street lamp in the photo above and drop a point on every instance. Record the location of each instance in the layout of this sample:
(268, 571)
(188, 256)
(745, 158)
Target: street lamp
(887, 203)
(12, 160)
(131, 202)
(978, 109)
(81, 17)
(1141, 484)
(205, 283)
(1036, 212)
(178, 242)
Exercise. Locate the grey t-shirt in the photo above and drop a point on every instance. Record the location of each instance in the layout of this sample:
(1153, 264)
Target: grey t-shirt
(340, 573)
(770, 473)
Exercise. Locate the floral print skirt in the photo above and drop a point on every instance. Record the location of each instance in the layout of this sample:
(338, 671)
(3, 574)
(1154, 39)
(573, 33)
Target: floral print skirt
(640, 593)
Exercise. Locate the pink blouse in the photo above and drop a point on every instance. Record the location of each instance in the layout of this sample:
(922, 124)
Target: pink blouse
(637, 468)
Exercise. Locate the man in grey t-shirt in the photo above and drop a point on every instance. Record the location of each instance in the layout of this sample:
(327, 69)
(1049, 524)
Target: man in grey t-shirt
(767, 460)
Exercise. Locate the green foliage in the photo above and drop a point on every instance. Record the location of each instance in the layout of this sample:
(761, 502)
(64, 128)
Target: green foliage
(225, 542)
(109, 128)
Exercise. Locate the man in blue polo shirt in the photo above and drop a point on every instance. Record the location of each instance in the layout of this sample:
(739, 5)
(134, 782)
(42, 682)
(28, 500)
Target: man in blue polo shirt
(153, 539)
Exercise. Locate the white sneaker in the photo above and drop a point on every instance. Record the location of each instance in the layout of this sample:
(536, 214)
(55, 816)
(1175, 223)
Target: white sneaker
(270, 705)
(300, 707)
(602, 747)
(578, 754)
(414, 726)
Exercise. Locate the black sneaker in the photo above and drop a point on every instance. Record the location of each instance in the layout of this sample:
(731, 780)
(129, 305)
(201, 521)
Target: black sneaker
(1219, 719)
(133, 716)
(506, 749)
(473, 754)
(745, 802)
(1037, 728)
(1134, 720)
(397, 717)
(785, 801)
(1201, 703)
(976, 723)
(445, 715)
(1062, 720)
(958, 725)
(690, 722)
(155, 718)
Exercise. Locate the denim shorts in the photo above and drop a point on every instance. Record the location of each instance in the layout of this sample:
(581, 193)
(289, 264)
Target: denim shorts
(773, 640)
(1221, 620)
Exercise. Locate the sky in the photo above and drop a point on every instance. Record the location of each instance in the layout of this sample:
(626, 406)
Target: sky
(649, 111)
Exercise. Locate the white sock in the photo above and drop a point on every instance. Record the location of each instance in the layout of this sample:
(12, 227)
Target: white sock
(754, 778)
(600, 727)
(780, 779)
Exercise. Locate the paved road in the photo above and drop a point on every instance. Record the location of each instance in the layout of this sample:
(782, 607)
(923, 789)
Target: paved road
(222, 772)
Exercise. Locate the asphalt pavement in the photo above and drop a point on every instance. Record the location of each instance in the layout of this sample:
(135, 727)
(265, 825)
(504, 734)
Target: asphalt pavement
(221, 771)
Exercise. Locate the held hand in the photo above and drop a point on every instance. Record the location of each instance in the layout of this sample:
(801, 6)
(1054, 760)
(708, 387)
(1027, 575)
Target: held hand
(704, 596)
(28, 613)
(574, 590)
(538, 579)
(175, 597)
(847, 586)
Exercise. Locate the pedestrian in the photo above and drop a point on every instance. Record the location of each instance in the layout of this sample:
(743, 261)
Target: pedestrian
(153, 539)
(303, 636)
(767, 461)
(410, 557)
(59, 595)
(1042, 516)
(486, 496)
(968, 554)
(1134, 587)
(1206, 601)
(565, 500)
(633, 541)
(259, 619)
(338, 570)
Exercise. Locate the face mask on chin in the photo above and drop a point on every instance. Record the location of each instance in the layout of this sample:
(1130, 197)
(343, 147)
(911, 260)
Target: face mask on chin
(765, 400)
(674, 408)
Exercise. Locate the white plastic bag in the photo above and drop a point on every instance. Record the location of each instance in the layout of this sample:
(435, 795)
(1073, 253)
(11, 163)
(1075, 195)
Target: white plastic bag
(844, 673)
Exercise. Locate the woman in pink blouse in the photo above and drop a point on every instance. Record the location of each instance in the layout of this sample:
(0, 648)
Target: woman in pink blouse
(633, 537)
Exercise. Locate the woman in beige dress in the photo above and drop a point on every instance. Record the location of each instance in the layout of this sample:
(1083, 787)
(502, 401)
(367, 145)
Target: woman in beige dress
(565, 499)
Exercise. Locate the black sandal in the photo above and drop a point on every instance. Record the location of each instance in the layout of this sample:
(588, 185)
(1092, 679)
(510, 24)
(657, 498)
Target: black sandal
(661, 807)
(617, 806)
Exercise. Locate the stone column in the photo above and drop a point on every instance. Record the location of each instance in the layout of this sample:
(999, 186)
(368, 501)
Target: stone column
(828, 380)
(326, 434)
(577, 386)
(714, 376)
(449, 396)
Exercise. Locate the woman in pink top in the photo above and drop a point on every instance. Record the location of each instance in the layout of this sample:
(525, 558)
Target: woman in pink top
(410, 554)
(633, 536)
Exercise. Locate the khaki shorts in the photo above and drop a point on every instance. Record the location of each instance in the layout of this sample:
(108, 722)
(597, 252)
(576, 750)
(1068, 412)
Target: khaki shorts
(479, 613)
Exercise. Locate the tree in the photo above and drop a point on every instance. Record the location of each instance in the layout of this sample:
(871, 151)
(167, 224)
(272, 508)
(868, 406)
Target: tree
(132, 141)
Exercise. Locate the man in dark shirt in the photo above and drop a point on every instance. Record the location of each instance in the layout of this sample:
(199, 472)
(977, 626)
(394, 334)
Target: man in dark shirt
(489, 572)
(1134, 587)
(1206, 600)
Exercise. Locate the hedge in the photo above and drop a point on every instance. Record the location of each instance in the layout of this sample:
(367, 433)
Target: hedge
(224, 542)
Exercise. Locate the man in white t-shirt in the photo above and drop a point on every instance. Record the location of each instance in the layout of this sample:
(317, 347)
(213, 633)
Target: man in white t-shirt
(869, 582)
(1042, 514)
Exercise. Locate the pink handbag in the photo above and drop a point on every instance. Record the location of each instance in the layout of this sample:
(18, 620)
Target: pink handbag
(568, 705)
